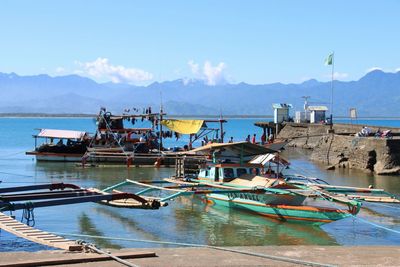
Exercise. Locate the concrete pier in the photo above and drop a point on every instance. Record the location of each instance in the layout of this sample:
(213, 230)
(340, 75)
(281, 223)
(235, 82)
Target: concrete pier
(341, 148)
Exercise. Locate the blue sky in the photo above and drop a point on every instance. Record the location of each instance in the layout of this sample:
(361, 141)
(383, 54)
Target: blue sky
(251, 41)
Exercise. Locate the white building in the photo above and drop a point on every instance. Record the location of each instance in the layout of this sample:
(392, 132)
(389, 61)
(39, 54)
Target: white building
(317, 113)
(281, 112)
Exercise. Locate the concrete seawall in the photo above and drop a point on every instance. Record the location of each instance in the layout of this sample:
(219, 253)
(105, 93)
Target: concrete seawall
(343, 149)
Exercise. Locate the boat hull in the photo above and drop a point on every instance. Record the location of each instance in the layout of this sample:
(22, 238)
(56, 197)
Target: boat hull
(310, 214)
(61, 157)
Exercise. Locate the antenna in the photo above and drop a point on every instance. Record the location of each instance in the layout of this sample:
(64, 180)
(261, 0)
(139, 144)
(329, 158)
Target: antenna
(306, 101)
(306, 97)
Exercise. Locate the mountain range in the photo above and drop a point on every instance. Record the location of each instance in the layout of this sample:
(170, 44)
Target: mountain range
(375, 94)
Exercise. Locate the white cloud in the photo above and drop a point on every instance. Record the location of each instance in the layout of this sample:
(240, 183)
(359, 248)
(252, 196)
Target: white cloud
(338, 75)
(213, 75)
(194, 67)
(373, 68)
(60, 70)
(397, 70)
(102, 69)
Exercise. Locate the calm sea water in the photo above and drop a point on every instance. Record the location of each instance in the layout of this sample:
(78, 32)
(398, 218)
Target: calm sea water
(185, 219)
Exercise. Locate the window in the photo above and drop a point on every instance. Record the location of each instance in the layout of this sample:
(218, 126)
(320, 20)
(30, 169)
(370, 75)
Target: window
(255, 171)
(228, 173)
(241, 171)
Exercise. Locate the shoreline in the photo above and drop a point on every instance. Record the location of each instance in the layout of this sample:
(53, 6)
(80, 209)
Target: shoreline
(222, 256)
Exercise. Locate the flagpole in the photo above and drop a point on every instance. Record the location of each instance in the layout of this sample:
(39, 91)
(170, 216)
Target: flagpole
(333, 68)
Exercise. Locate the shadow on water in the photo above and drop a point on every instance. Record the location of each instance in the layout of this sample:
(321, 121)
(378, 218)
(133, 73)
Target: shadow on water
(88, 228)
(128, 223)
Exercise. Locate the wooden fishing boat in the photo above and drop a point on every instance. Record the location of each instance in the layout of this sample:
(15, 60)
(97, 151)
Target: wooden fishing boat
(280, 200)
(60, 145)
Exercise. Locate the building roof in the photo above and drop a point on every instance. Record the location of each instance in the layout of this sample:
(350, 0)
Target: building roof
(281, 105)
(317, 108)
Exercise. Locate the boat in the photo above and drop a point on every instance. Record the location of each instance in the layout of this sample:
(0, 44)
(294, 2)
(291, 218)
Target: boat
(60, 145)
(280, 200)
(230, 180)
(116, 143)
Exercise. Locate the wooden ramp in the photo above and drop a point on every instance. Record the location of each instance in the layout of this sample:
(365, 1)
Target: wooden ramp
(17, 228)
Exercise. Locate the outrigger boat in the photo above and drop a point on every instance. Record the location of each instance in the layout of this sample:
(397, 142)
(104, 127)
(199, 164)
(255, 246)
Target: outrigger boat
(242, 186)
(249, 186)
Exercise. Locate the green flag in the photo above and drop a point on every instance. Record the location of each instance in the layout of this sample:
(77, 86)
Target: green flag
(329, 60)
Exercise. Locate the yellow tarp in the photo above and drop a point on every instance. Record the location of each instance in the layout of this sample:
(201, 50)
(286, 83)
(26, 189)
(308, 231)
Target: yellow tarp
(183, 126)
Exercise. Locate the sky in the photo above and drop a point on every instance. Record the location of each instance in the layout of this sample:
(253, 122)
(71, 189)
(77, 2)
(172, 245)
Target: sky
(256, 42)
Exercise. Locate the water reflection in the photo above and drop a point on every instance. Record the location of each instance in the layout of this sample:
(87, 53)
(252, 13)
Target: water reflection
(188, 219)
(228, 227)
(88, 228)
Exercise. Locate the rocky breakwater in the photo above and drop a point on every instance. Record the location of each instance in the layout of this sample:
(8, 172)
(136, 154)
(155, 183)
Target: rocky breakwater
(343, 149)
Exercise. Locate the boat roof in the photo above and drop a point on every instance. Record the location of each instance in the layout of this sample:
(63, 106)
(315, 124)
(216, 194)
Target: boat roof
(128, 129)
(62, 134)
(264, 159)
(231, 165)
(244, 148)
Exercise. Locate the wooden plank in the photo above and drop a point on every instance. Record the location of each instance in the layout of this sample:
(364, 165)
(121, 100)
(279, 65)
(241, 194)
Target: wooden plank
(79, 258)
(19, 229)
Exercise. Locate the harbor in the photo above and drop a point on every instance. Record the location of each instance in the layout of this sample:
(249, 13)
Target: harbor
(190, 220)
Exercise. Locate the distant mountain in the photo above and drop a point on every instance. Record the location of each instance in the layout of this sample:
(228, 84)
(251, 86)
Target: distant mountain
(375, 94)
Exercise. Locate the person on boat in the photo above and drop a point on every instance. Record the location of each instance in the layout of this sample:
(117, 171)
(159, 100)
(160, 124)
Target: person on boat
(253, 140)
(248, 138)
(231, 140)
(270, 138)
(263, 138)
(60, 142)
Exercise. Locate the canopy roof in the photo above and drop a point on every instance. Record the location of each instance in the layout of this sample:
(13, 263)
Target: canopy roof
(241, 148)
(62, 134)
(264, 159)
(183, 126)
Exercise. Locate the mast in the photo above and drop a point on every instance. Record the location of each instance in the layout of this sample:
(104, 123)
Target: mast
(161, 126)
(221, 126)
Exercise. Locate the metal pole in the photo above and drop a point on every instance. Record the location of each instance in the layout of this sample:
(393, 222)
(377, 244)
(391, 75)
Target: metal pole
(333, 67)
(222, 129)
(161, 128)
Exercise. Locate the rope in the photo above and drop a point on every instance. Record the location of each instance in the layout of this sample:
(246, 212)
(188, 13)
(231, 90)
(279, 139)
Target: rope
(377, 225)
(271, 257)
(12, 154)
(92, 247)
(368, 222)
(16, 174)
(380, 204)
(28, 215)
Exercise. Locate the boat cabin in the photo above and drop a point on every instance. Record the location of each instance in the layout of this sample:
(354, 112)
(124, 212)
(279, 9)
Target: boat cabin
(60, 145)
(228, 172)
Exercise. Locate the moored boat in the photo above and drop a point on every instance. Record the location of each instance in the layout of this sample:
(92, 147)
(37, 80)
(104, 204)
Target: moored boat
(60, 145)
(280, 200)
